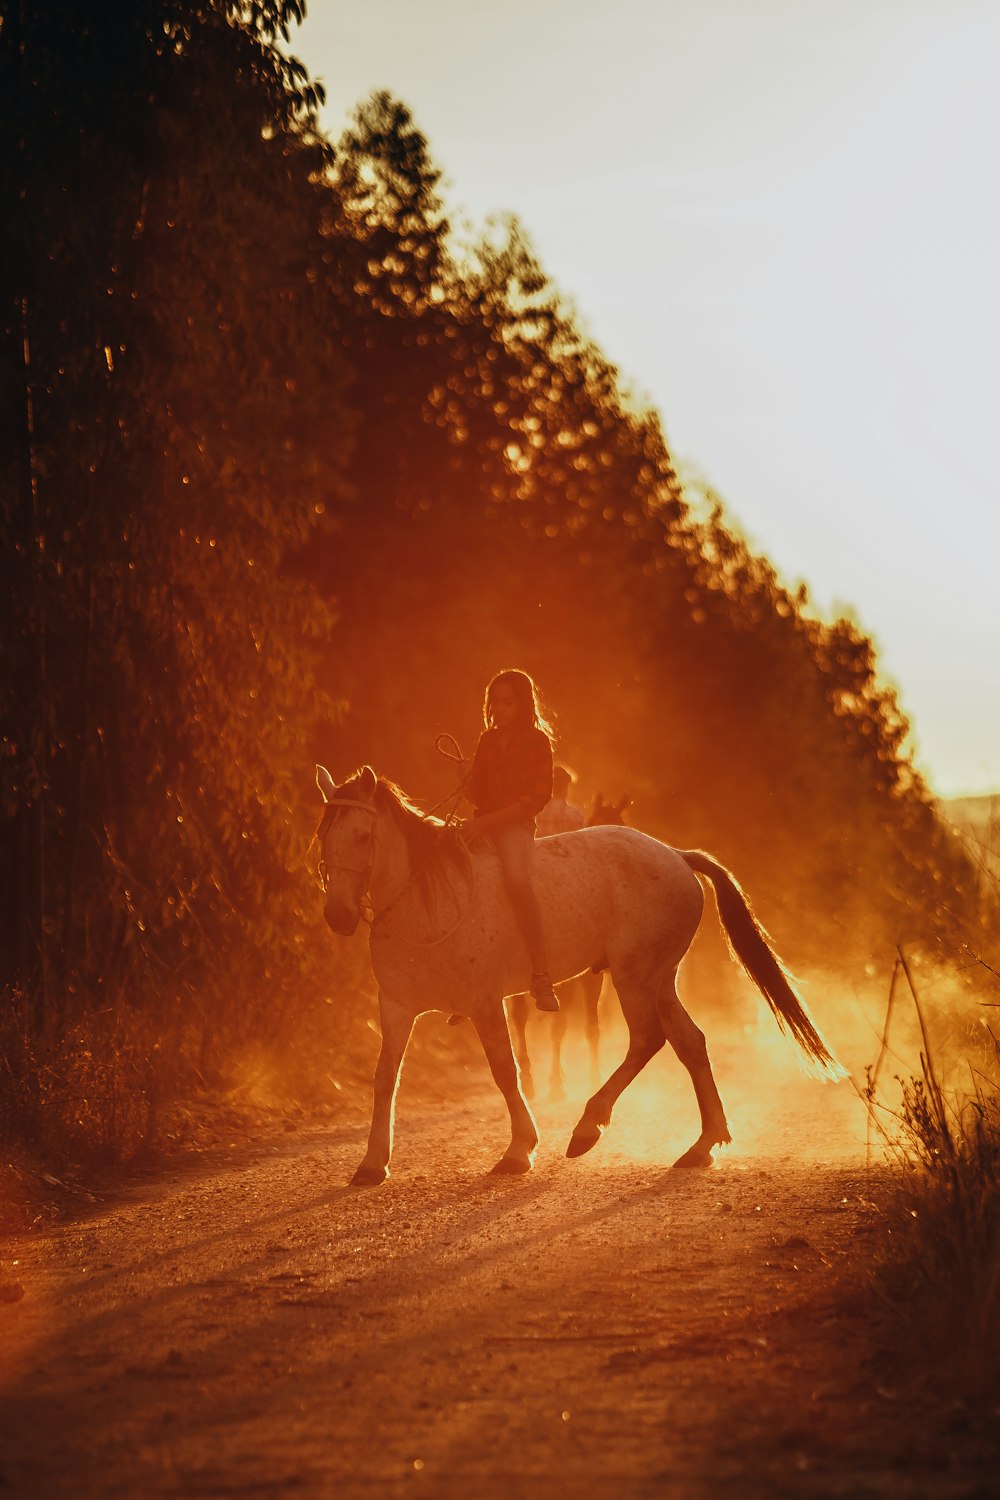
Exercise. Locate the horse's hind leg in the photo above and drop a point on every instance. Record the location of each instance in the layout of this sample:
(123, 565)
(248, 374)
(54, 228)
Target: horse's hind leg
(590, 987)
(491, 1024)
(396, 1024)
(646, 1037)
(688, 1041)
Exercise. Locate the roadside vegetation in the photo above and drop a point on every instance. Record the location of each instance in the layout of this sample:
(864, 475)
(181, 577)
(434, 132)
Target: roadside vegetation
(936, 1278)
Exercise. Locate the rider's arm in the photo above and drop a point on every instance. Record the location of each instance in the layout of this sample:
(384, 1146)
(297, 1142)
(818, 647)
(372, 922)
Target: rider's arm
(536, 780)
(483, 822)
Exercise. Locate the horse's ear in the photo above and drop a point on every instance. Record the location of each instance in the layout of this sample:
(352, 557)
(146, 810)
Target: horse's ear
(368, 782)
(622, 803)
(325, 782)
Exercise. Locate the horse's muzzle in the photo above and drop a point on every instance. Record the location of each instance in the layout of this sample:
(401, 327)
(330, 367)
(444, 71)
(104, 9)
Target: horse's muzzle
(341, 920)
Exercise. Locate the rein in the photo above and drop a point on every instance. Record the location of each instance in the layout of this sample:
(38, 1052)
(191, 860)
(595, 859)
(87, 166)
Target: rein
(377, 917)
(366, 869)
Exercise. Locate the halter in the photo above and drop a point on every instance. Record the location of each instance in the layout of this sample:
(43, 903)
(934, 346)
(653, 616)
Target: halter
(366, 869)
(331, 808)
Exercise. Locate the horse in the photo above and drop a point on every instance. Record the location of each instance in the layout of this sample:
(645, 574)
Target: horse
(443, 937)
(587, 985)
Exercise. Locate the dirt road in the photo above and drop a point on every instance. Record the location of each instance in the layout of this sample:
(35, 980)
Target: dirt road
(604, 1327)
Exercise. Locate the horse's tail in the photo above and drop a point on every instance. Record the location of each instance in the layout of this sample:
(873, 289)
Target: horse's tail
(751, 945)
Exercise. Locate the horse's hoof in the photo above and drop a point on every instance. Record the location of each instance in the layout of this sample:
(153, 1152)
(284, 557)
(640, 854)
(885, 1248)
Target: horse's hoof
(369, 1176)
(697, 1156)
(583, 1139)
(511, 1166)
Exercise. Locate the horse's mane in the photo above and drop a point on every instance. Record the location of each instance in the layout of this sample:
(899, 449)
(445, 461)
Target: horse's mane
(434, 848)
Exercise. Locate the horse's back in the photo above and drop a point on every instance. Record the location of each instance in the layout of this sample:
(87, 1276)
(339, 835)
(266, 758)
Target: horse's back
(613, 859)
(608, 894)
(611, 892)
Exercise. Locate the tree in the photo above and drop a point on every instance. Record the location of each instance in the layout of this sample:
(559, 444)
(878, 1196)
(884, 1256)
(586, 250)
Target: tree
(175, 445)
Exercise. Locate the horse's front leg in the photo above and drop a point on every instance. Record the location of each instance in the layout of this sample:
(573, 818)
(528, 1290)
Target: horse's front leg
(396, 1023)
(519, 1021)
(491, 1024)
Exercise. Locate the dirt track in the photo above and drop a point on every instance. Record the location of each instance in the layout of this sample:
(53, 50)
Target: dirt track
(603, 1327)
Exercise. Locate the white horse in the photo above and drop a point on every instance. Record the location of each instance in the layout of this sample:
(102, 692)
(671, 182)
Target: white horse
(443, 937)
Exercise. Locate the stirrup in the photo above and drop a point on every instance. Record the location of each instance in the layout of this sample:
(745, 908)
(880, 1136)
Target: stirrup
(542, 993)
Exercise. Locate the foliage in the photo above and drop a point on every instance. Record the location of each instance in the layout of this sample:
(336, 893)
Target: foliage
(163, 346)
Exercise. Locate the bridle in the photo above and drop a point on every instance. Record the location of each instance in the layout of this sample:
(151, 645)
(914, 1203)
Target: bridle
(325, 865)
(446, 745)
(333, 806)
(331, 809)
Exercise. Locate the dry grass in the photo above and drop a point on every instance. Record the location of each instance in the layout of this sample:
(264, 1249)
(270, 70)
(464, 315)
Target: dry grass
(939, 1272)
(91, 1096)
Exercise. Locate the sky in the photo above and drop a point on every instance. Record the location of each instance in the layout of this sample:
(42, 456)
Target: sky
(779, 219)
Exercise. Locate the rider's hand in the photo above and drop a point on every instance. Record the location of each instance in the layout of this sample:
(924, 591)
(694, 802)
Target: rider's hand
(470, 830)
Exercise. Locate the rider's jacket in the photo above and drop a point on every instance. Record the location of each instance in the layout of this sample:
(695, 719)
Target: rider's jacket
(516, 773)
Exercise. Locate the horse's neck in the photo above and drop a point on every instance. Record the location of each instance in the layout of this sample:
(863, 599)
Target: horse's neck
(391, 865)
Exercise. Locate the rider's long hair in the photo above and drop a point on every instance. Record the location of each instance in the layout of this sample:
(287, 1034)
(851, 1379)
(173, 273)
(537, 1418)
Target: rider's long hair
(525, 695)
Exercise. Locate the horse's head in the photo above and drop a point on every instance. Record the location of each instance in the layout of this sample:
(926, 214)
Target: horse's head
(346, 836)
(602, 812)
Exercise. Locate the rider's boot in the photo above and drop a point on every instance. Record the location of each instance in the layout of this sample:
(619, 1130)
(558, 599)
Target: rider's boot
(542, 992)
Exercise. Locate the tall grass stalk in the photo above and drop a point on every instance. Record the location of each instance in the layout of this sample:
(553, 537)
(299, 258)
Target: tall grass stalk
(941, 1265)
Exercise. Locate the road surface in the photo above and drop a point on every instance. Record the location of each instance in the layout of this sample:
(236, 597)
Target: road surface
(247, 1324)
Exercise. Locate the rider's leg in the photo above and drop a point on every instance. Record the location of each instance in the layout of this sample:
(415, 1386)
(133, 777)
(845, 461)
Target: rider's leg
(514, 843)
